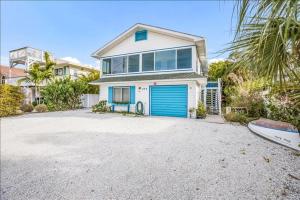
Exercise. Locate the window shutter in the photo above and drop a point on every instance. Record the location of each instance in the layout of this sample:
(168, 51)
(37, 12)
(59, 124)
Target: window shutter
(132, 94)
(110, 94)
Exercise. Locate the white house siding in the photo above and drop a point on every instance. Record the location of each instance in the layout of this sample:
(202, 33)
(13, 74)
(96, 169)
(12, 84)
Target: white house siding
(154, 41)
(142, 92)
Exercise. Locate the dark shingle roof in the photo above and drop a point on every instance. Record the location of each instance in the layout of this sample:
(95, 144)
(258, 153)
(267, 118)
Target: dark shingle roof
(190, 75)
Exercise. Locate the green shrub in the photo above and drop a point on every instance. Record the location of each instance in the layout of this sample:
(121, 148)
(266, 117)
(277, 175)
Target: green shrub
(11, 99)
(100, 107)
(92, 76)
(237, 117)
(34, 103)
(286, 112)
(201, 111)
(41, 108)
(63, 94)
(27, 107)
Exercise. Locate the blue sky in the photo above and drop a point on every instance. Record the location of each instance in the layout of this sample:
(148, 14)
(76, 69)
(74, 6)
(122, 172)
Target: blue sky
(77, 28)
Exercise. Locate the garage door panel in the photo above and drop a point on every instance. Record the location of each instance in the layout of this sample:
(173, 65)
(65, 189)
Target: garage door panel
(169, 100)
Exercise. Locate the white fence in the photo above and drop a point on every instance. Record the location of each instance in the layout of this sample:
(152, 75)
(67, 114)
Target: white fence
(88, 100)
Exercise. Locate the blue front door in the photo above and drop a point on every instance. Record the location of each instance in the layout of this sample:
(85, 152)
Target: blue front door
(169, 100)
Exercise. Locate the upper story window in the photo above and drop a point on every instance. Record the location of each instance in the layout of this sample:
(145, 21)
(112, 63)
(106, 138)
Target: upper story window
(141, 35)
(75, 73)
(184, 58)
(148, 62)
(163, 60)
(106, 66)
(59, 72)
(134, 63)
(119, 65)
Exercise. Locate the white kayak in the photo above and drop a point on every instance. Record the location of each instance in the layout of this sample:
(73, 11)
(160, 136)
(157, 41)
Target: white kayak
(285, 136)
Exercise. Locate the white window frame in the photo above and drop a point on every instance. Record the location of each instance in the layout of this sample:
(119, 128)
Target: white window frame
(122, 88)
(154, 67)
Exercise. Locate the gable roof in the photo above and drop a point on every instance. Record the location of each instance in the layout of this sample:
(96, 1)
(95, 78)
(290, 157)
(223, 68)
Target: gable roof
(140, 26)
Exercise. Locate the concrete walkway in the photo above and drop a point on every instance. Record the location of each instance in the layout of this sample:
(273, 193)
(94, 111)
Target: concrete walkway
(82, 155)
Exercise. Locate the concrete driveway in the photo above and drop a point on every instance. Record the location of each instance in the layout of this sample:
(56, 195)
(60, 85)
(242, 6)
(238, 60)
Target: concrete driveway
(82, 155)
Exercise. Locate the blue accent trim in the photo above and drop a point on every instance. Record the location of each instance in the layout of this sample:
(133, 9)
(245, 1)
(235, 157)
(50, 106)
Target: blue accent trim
(113, 108)
(212, 84)
(132, 94)
(169, 100)
(110, 94)
(141, 35)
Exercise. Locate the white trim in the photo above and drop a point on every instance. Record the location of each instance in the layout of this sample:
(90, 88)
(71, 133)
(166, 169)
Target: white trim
(188, 70)
(161, 80)
(154, 67)
(138, 26)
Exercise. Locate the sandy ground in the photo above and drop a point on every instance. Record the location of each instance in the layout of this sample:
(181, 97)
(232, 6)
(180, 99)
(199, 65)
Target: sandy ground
(82, 155)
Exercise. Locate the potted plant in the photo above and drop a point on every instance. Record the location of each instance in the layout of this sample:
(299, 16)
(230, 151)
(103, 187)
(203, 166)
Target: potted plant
(200, 111)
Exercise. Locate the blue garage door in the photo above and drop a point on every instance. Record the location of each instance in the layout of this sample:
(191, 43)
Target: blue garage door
(169, 100)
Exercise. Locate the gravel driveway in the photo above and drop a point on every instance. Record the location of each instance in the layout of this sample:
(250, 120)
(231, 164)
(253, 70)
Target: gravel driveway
(82, 155)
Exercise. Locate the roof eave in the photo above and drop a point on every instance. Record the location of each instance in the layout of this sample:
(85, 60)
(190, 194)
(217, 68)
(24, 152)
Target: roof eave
(194, 38)
(154, 80)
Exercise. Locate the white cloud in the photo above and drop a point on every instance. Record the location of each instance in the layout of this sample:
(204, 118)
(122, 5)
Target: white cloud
(213, 60)
(71, 59)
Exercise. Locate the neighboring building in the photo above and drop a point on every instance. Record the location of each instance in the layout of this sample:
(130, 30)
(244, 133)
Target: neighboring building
(165, 70)
(74, 70)
(16, 74)
(12, 76)
(26, 56)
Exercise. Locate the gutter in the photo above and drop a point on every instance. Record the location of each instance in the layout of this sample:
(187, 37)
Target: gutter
(160, 80)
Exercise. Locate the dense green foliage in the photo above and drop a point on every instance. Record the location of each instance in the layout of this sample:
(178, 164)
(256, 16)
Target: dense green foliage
(268, 42)
(231, 77)
(100, 107)
(27, 107)
(92, 76)
(219, 69)
(63, 94)
(267, 45)
(280, 107)
(200, 111)
(41, 108)
(237, 117)
(11, 99)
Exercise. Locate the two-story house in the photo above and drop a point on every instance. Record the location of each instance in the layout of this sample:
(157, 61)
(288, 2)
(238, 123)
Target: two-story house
(161, 68)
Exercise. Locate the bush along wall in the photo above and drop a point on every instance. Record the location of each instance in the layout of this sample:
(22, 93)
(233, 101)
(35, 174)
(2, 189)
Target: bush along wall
(63, 94)
(11, 99)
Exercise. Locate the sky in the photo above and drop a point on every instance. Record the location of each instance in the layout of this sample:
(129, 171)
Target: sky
(75, 29)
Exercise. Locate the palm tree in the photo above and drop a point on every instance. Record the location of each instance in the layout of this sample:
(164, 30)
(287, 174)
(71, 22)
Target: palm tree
(37, 73)
(92, 76)
(268, 37)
